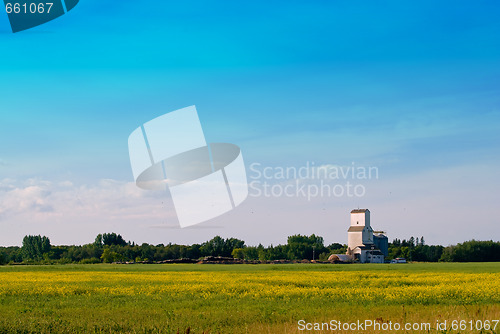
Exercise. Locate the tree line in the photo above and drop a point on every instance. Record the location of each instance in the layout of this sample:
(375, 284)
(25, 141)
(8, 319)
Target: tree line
(111, 247)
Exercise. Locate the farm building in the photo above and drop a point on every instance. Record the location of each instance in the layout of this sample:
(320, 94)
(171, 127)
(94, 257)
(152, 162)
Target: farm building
(363, 244)
(340, 258)
(381, 242)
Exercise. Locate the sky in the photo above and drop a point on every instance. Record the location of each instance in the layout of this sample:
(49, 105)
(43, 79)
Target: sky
(411, 89)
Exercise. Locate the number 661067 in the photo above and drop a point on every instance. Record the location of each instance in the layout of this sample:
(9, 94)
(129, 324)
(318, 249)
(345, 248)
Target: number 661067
(29, 8)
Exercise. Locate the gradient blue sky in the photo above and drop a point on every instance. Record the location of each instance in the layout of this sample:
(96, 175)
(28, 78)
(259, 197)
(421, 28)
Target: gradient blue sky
(412, 88)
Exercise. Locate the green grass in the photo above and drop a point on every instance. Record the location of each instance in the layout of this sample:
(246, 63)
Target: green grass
(240, 298)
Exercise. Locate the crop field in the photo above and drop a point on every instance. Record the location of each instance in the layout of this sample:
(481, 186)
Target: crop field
(190, 298)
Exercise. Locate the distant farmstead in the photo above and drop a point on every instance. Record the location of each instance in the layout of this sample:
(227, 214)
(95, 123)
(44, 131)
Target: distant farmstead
(363, 244)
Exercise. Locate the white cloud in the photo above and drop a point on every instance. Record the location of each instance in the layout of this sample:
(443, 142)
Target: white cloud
(74, 214)
(28, 199)
(65, 184)
(7, 184)
(42, 200)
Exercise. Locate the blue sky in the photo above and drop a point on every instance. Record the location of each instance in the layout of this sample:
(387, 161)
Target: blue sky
(411, 88)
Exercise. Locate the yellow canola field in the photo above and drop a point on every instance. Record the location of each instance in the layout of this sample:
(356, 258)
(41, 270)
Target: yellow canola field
(341, 286)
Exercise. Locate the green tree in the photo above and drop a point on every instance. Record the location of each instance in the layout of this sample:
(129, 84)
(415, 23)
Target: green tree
(110, 239)
(34, 247)
(98, 240)
(193, 251)
(251, 253)
(217, 246)
(302, 247)
(3, 258)
(472, 251)
(109, 256)
(147, 252)
(238, 253)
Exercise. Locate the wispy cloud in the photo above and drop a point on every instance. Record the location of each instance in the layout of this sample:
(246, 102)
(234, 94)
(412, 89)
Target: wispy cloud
(41, 200)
